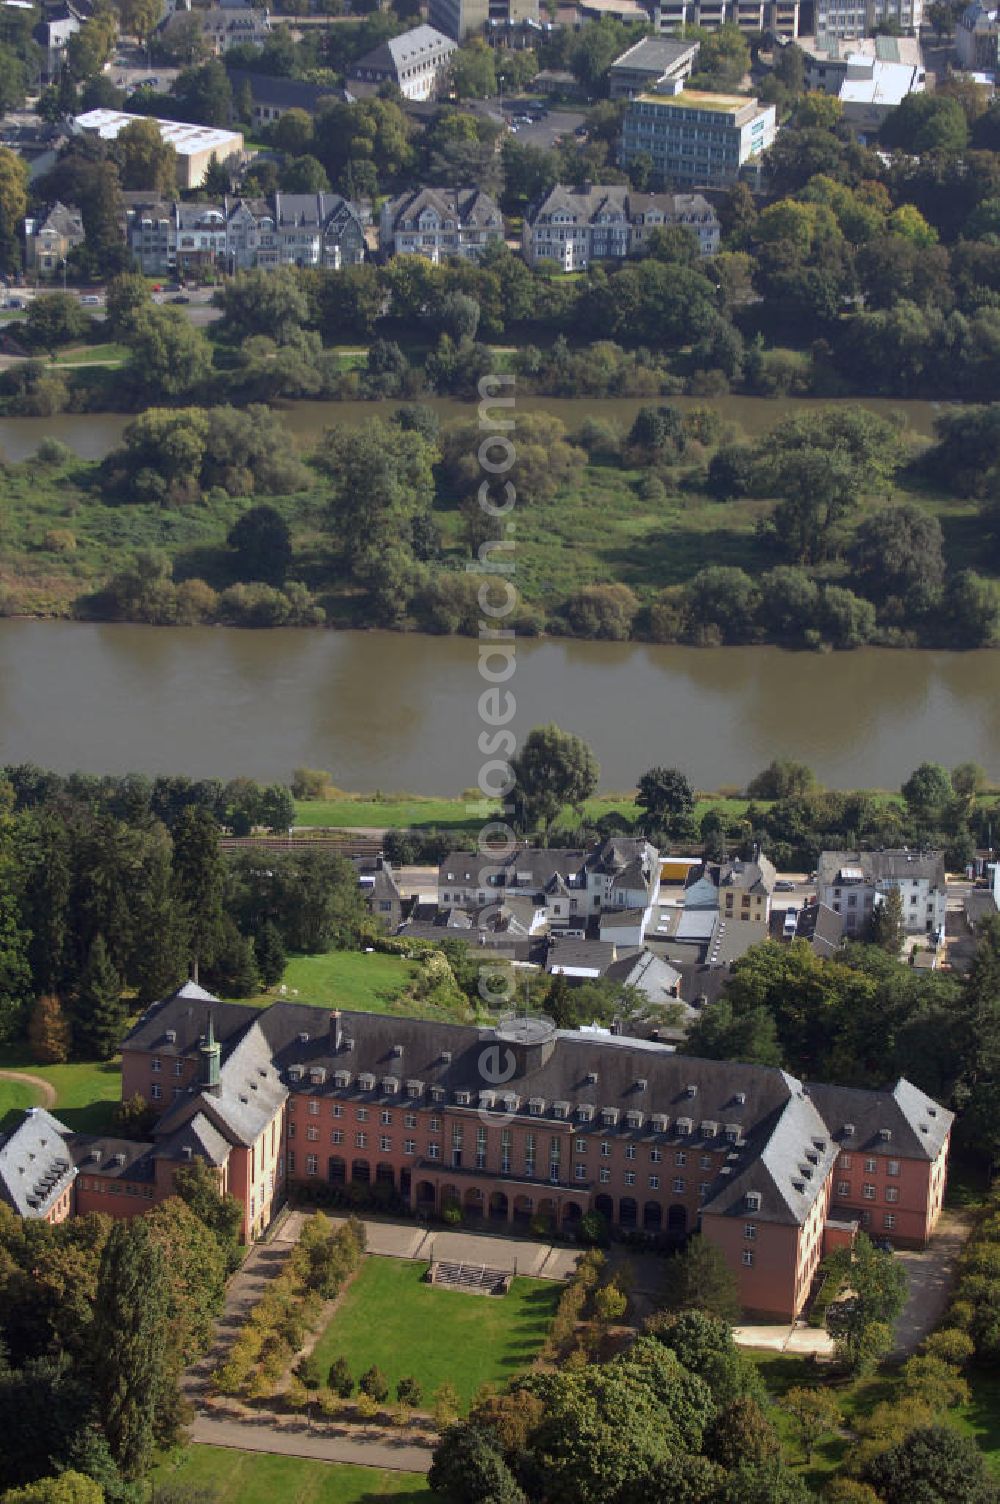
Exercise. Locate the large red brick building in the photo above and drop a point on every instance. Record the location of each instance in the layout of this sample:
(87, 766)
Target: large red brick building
(519, 1122)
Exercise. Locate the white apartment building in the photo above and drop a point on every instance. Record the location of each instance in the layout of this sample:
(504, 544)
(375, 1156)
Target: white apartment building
(780, 17)
(858, 18)
(852, 883)
(695, 139)
(574, 226)
(416, 62)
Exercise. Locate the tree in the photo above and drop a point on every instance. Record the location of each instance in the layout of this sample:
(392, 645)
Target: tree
(13, 207)
(935, 1465)
(205, 94)
(304, 175)
(197, 1184)
(269, 950)
(886, 927)
(339, 1379)
(409, 1391)
(782, 779)
(69, 1487)
(130, 1343)
(698, 1279)
(553, 768)
(928, 791)
(469, 1468)
(16, 989)
(473, 72)
(140, 17)
(126, 303)
(861, 1321)
(48, 1031)
(198, 882)
(168, 356)
(145, 160)
(926, 123)
(814, 1414)
(262, 540)
(374, 1383)
(666, 796)
(54, 319)
(99, 1015)
(899, 549)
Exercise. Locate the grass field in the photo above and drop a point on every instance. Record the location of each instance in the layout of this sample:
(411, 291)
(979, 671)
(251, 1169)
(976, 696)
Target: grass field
(980, 1418)
(410, 811)
(346, 979)
(15, 1096)
(86, 1091)
(232, 1477)
(391, 1318)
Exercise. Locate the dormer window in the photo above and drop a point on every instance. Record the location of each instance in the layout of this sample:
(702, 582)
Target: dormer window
(709, 1129)
(609, 1116)
(366, 1081)
(560, 1109)
(885, 1134)
(641, 1084)
(585, 1112)
(684, 1126)
(437, 1093)
(463, 1098)
(752, 1201)
(536, 1106)
(591, 1078)
(691, 1090)
(317, 1074)
(660, 1122)
(414, 1088)
(511, 1101)
(390, 1085)
(341, 1078)
(633, 1119)
(487, 1098)
(848, 1130)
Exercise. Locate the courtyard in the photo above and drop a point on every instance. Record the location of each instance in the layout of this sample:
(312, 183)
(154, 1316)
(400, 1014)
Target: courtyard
(390, 1317)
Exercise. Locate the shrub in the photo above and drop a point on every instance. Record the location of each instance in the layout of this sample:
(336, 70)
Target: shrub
(53, 452)
(409, 1391)
(374, 1383)
(308, 1370)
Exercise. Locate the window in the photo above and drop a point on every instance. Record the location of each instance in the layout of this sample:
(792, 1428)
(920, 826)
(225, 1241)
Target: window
(871, 1167)
(290, 1160)
(178, 1067)
(749, 1229)
(435, 1125)
(361, 1115)
(843, 1187)
(630, 1151)
(678, 1186)
(337, 1136)
(385, 1116)
(312, 1133)
(156, 1091)
(155, 1063)
(868, 1191)
(654, 1182)
(892, 1168)
(361, 1139)
(889, 1221)
(313, 1107)
(605, 1149)
(580, 1171)
(311, 1163)
(605, 1175)
(385, 1144)
(338, 1109)
(845, 1161)
(892, 1193)
(410, 1146)
(433, 1151)
(581, 1146)
(630, 1177)
(655, 1156)
(706, 1161)
(747, 1257)
(680, 1158)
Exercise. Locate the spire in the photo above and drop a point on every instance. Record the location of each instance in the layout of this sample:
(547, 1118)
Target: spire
(211, 1057)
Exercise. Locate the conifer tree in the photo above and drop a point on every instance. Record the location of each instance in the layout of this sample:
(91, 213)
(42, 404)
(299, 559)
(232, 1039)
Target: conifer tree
(269, 949)
(100, 1015)
(15, 973)
(198, 882)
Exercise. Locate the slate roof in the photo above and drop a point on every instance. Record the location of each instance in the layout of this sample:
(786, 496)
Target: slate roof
(469, 207)
(406, 51)
(787, 1162)
(64, 219)
(883, 866)
(645, 970)
(586, 203)
(36, 1165)
(185, 1013)
(283, 93)
(312, 210)
(571, 956)
(822, 927)
(917, 1124)
(114, 1158)
(249, 1094)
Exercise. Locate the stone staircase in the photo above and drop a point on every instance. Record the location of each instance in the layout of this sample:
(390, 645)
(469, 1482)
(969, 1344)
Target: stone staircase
(474, 1279)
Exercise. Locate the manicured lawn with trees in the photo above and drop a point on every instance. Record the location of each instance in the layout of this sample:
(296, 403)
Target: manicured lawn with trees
(389, 1317)
(233, 1477)
(409, 811)
(370, 982)
(980, 1418)
(87, 1091)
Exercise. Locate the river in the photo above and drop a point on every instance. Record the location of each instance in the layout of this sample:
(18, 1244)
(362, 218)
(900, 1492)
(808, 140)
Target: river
(391, 711)
(92, 435)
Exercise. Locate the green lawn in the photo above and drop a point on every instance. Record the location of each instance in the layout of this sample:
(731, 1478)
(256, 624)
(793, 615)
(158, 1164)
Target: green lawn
(232, 1477)
(410, 811)
(346, 979)
(103, 354)
(980, 1418)
(391, 1318)
(87, 1092)
(15, 1096)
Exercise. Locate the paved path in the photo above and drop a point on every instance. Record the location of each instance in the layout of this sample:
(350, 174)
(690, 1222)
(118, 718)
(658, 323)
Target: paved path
(930, 1272)
(44, 1088)
(323, 1440)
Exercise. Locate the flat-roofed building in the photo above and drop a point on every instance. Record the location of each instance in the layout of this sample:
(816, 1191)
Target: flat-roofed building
(695, 138)
(196, 145)
(650, 64)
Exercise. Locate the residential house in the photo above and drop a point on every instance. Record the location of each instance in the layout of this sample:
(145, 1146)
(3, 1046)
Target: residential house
(416, 62)
(52, 35)
(574, 226)
(224, 24)
(852, 883)
(697, 138)
(292, 229)
(49, 239)
(381, 895)
(440, 223)
(648, 65)
(736, 889)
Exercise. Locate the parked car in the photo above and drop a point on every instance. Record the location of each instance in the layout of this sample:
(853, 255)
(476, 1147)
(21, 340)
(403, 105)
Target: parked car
(181, 298)
(91, 300)
(784, 886)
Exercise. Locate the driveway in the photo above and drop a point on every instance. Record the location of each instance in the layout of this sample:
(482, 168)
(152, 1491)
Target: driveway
(930, 1272)
(321, 1440)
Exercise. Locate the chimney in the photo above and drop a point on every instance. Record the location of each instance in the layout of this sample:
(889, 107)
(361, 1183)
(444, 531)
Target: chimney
(336, 1032)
